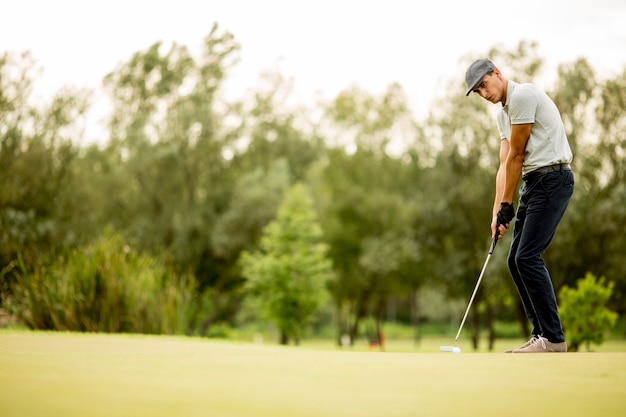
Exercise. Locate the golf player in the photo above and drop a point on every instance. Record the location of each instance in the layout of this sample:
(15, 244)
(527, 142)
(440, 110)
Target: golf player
(534, 146)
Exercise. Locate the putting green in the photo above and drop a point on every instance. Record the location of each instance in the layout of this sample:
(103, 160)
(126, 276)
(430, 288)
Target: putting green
(67, 374)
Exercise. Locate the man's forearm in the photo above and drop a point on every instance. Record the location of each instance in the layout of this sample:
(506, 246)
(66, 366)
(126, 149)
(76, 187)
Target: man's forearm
(500, 184)
(515, 160)
(513, 172)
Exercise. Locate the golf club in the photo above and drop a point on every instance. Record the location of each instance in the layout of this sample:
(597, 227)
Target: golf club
(456, 348)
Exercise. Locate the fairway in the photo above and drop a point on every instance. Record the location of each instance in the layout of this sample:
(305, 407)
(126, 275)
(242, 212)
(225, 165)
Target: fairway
(72, 375)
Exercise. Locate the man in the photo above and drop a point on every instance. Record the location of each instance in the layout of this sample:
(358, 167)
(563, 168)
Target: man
(534, 146)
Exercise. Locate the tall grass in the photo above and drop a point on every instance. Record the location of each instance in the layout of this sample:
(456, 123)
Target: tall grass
(104, 287)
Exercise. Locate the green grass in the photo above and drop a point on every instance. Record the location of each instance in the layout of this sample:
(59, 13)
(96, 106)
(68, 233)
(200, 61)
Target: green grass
(69, 374)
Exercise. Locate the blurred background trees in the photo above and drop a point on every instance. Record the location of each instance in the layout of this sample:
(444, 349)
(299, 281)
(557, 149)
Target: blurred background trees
(287, 275)
(192, 180)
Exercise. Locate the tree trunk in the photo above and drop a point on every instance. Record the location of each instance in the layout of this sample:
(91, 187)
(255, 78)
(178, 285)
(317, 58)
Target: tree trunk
(340, 323)
(415, 316)
(354, 329)
(211, 318)
(379, 329)
(360, 313)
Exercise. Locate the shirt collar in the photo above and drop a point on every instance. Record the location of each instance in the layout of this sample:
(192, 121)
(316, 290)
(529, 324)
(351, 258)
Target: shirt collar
(509, 92)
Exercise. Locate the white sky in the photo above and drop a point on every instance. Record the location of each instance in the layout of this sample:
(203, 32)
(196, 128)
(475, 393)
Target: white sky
(325, 46)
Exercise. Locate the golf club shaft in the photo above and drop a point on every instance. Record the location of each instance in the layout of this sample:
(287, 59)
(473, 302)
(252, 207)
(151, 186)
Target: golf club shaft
(480, 277)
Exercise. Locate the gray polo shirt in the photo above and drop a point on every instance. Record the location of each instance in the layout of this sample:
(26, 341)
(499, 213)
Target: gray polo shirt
(548, 143)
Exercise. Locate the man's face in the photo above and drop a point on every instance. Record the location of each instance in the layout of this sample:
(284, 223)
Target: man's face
(491, 88)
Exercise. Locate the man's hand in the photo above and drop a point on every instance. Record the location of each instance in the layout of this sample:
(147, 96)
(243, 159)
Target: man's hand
(505, 214)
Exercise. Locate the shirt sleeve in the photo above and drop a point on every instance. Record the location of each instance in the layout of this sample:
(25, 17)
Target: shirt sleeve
(523, 106)
(504, 125)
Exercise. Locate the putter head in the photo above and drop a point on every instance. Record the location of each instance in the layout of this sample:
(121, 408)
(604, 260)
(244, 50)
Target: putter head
(453, 349)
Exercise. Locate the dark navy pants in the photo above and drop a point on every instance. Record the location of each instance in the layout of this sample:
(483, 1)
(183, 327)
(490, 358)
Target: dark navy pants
(543, 199)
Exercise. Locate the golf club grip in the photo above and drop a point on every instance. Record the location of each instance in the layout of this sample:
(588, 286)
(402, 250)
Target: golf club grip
(495, 241)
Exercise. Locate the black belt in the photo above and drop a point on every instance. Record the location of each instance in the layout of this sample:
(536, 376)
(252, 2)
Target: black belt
(549, 168)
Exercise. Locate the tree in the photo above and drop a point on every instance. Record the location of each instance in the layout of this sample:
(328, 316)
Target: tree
(169, 136)
(289, 270)
(274, 131)
(586, 318)
(367, 196)
(40, 196)
(368, 205)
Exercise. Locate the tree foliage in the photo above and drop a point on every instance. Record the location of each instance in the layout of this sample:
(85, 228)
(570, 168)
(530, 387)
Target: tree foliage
(586, 317)
(40, 200)
(194, 178)
(289, 271)
(368, 201)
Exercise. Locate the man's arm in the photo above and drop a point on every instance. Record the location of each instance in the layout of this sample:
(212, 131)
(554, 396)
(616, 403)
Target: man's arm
(515, 160)
(500, 181)
(510, 169)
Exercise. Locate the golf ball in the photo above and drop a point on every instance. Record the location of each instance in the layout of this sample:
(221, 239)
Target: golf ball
(456, 350)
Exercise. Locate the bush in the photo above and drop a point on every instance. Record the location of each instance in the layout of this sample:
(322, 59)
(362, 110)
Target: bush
(103, 287)
(585, 316)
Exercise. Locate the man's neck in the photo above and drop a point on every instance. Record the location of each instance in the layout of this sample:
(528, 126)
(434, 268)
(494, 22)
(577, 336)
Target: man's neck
(505, 91)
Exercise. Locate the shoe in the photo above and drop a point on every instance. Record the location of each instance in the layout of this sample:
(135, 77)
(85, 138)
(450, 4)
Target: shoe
(542, 345)
(523, 346)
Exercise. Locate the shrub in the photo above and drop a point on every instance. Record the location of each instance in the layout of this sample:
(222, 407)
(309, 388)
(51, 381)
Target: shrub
(583, 310)
(103, 287)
